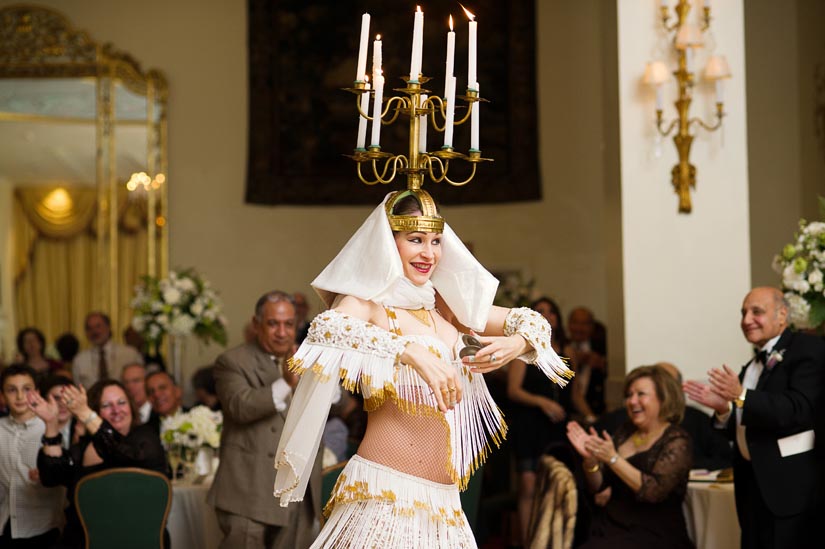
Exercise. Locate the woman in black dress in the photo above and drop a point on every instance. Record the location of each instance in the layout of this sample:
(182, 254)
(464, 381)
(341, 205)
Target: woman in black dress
(112, 439)
(640, 478)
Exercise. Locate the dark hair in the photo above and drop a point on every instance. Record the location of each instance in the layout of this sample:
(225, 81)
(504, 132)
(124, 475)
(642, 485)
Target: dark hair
(67, 346)
(204, 379)
(95, 393)
(558, 333)
(150, 375)
(16, 369)
(271, 297)
(668, 391)
(101, 314)
(409, 205)
(21, 335)
(51, 382)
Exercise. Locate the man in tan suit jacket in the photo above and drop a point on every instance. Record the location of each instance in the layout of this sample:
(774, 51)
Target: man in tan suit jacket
(254, 388)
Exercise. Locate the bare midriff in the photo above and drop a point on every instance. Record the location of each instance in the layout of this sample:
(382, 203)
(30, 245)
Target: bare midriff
(411, 443)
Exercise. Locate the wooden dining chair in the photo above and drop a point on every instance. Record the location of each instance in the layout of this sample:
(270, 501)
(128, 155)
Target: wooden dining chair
(124, 507)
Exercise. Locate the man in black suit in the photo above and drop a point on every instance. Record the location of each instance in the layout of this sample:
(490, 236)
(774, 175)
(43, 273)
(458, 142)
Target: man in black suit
(769, 411)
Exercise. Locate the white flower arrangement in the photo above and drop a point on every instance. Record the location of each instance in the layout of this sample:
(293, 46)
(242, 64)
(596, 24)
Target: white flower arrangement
(802, 266)
(198, 427)
(182, 304)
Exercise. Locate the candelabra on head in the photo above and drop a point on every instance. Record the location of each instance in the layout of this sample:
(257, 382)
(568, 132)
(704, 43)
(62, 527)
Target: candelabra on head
(687, 37)
(416, 103)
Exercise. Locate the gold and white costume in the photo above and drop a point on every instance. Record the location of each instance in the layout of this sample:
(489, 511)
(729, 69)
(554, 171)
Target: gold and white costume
(398, 502)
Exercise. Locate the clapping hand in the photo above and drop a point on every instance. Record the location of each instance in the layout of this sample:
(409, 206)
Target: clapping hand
(44, 409)
(725, 383)
(75, 399)
(578, 437)
(601, 448)
(705, 395)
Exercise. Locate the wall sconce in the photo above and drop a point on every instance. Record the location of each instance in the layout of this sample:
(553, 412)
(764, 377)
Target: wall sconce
(687, 38)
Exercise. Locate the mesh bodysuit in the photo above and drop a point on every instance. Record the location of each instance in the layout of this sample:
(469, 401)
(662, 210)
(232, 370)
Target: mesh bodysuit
(413, 443)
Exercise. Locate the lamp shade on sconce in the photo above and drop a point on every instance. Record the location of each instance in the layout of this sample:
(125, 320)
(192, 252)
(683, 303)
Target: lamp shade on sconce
(689, 36)
(656, 73)
(717, 68)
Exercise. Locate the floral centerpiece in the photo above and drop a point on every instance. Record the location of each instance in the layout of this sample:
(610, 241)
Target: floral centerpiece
(182, 304)
(802, 264)
(194, 429)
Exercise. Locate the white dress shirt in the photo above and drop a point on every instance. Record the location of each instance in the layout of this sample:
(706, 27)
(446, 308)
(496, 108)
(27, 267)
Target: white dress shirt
(31, 508)
(144, 412)
(86, 364)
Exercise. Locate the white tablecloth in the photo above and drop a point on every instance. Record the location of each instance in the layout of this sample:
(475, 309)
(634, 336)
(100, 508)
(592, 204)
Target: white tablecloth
(192, 523)
(710, 513)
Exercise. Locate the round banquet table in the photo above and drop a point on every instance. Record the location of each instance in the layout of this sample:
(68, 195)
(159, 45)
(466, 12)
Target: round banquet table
(710, 513)
(192, 523)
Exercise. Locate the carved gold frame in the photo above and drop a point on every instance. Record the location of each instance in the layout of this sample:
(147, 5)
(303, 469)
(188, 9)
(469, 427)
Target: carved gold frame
(36, 42)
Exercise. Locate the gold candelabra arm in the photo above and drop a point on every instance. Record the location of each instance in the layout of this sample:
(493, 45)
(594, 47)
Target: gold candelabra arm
(660, 122)
(358, 106)
(705, 18)
(444, 167)
(403, 104)
(664, 12)
(374, 155)
(720, 113)
(430, 103)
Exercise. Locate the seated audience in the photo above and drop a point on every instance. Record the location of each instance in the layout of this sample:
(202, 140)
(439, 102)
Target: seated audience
(30, 514)
(70, 431)
(67, 346)
(203, 381)
(646, 469)
(134, 379)
(113, 439)
(32, 347)
(588, 341)
(105, 359)
(711, 450)
(164, 395)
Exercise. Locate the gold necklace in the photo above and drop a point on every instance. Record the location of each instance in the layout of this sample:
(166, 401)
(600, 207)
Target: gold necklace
(421, 315)
(638, 439)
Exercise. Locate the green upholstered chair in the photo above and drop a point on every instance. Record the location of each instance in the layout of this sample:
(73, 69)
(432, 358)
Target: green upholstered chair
(124, 508)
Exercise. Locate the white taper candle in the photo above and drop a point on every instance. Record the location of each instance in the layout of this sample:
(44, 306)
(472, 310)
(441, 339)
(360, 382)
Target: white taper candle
(422, 127)
(450, 56)
(362, 50)
(448, 124)
(362, 120)
(376, 111)
(474, 123)
(417, 45)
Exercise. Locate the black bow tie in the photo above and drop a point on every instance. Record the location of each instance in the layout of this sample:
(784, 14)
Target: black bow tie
(761, 356)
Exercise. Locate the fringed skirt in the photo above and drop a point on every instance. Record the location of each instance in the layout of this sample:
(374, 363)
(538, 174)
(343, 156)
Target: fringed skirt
(375, 506)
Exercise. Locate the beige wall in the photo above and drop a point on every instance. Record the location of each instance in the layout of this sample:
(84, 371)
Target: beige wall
(245, 250)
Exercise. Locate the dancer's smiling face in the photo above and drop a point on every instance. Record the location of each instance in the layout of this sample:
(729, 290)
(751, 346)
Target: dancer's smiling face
(420, 253)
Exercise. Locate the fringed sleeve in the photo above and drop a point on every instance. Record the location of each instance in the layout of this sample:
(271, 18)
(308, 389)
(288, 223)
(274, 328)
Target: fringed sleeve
(336, 346)
(536, 330)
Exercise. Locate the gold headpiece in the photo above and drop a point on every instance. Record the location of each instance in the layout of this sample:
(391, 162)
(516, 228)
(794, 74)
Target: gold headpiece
(428, 222)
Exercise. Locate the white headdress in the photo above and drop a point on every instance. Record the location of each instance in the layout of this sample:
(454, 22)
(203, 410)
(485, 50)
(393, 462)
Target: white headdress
(369, 267)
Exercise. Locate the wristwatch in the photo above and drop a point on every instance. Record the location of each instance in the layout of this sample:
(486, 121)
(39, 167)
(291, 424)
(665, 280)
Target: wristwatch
(613, 459)
(56, 440)
(741, 400)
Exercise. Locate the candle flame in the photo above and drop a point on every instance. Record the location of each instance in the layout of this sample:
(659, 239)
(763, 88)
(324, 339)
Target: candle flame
(451, 23)
(469, 14)
(378, 37)
(418, 8)
(366, 78)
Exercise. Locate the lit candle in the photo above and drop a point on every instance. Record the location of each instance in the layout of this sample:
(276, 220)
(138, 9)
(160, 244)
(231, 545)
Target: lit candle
(474, 123)
(376, 111)
(422, 128)
(448, 124)
(471, 50)
(376, 57)
(720, 90)
(362, 50)
(362, 119)
(450, 56)
(658, 97)
(417, 45)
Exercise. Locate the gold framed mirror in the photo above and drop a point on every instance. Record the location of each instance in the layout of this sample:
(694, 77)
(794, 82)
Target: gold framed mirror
(83, 175)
